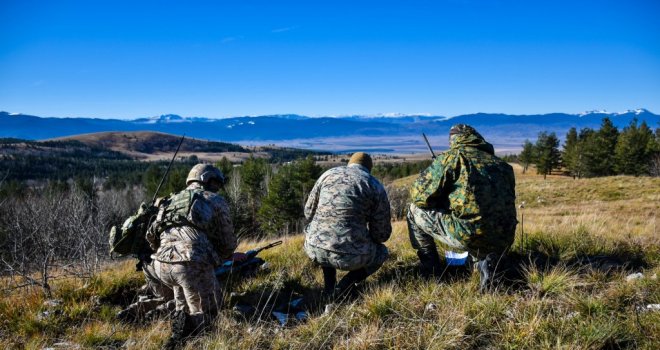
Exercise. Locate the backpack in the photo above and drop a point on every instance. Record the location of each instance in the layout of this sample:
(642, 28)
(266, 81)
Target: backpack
(175, 212)
(130, 237)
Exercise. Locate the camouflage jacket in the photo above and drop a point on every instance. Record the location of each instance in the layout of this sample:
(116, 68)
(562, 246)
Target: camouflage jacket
(349, 211)
(207, 238)
(475, 188)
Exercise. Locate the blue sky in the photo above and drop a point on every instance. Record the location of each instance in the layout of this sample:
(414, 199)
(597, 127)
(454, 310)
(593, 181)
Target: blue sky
(116, 59)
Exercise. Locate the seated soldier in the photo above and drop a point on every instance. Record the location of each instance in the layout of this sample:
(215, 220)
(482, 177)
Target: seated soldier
(349, 215)
(466, 200)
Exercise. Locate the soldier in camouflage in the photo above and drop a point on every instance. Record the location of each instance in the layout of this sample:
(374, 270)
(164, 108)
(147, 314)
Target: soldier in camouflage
(155, 298)
(466, 200)
(191, 235)
(349, 215)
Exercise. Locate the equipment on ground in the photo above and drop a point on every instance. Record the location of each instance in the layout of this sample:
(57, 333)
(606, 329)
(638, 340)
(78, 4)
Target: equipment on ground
(251, 262)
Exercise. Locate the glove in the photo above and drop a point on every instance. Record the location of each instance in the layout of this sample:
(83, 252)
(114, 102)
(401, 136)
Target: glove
(238, 257)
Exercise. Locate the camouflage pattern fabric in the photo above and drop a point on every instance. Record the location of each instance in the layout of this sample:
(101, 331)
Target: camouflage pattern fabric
(187, 254)
(348, 262)
(196, 290)
(153, 296)
(425, 225)
(207, 238)
(473, 190)
(349, 212)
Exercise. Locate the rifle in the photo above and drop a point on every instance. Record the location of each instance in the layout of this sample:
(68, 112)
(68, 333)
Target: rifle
(429, 146)
(251, 261)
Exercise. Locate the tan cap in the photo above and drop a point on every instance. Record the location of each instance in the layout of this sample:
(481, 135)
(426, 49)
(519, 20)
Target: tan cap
(363, 159)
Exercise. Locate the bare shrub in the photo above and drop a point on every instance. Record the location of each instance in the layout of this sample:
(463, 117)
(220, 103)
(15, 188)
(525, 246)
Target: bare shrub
(399, 198)
(59, 233)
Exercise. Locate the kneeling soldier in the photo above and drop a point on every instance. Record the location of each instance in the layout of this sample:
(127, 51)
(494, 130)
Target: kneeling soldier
(466, 200)
(191, 235)
(349, 215)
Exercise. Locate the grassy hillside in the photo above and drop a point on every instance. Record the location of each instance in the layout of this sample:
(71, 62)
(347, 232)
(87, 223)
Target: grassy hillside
(156, 145)
(561, 306)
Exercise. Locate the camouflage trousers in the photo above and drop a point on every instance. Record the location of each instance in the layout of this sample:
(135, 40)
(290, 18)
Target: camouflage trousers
(154, 295)
(195, 287)
(348, 262)
(424, 227)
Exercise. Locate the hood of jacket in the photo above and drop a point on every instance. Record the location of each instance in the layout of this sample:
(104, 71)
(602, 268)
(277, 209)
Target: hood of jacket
(462, 135)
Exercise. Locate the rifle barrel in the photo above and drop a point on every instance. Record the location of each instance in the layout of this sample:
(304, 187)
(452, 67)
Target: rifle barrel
(429, 146)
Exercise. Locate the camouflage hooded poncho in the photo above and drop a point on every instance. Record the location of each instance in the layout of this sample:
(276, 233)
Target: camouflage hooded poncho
(475, 188)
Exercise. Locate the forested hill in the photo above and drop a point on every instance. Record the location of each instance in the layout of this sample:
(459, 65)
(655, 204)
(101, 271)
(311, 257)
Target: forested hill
(117, 157)
(150, 142)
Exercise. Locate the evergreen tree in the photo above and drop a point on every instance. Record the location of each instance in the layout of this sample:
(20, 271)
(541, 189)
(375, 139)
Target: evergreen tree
(253, 184)
(634, 149)
(305, 173)
(654, 168)
(571, 155)
(175, 181)
(527, 155)
(280, 207)
(599, 156)
(547, 153)
(225, 166)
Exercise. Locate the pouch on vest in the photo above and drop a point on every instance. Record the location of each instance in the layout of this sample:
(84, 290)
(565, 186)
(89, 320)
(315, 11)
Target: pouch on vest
(173, 212)
(130, 237)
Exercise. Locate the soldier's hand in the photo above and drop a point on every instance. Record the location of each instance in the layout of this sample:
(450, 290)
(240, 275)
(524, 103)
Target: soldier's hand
(238, 257)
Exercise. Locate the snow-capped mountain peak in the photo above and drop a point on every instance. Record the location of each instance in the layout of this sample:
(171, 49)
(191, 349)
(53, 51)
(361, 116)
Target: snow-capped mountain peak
(595, 111)
(637, 111)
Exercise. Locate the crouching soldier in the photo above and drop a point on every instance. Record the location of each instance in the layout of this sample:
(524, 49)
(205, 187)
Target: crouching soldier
(466, 200)
(349, 215)
(191, 235)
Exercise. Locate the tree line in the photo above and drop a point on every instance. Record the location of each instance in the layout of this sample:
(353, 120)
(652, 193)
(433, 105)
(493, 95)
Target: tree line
(55, 224)
(635, 150)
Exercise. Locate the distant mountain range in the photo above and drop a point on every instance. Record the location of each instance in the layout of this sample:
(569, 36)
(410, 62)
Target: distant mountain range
(504, 129)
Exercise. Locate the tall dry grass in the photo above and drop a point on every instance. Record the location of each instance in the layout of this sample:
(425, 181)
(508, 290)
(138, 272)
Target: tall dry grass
(558, 306)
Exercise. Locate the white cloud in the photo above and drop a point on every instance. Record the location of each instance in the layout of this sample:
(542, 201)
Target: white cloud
(282, 30)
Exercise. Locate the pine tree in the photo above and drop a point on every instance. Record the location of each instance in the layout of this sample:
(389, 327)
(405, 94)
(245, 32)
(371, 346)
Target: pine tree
(527, 155)
(634, 149)
(280, 207)
(572, 154)
(654, 168)
(225, 166)
(547, 153)
(599, 157)
(253, 184)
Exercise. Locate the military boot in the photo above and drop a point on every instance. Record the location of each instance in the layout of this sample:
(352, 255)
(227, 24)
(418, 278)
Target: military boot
(348, 287)
(181, 330)
(329, 282)
(429, 263)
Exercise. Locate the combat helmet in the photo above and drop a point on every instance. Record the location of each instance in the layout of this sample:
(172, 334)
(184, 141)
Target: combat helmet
(206, 174)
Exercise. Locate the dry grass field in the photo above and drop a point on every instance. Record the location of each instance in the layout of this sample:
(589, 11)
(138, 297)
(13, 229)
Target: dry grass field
(562, 305)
